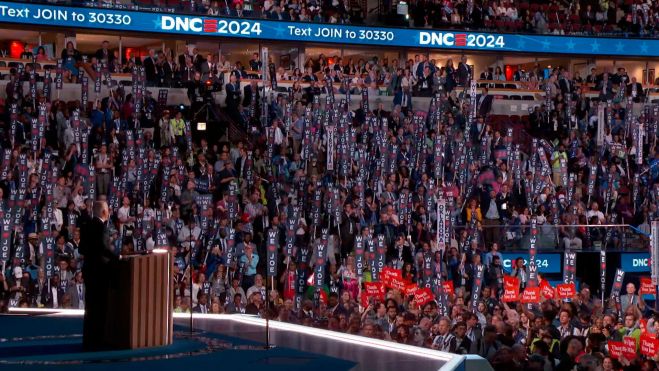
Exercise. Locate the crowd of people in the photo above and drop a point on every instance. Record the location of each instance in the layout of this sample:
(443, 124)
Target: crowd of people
(600, 17)
(381, 221)
(203, 74)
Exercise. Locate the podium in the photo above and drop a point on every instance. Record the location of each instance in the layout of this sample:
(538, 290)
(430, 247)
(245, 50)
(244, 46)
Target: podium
(141, 302)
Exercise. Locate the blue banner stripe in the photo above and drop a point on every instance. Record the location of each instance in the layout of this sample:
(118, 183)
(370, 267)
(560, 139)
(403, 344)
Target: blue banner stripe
(546, 262)
(635, 262)
(186, 25)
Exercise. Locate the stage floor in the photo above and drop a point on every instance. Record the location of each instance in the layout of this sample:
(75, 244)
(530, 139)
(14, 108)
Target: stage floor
(47, 340)
(366, 353)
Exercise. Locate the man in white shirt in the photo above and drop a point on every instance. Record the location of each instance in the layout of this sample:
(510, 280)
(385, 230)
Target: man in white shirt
(123, 214)
(594, 211)
(257, 287)
(190, 232)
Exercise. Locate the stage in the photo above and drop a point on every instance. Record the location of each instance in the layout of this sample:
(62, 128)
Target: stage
(43, 339)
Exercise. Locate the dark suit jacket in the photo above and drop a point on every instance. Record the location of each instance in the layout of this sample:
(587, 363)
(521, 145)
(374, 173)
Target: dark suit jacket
(168, 71)
(608, 85)
(484, 107)
(463, 346)
(505, 213)
(462, 74)
(233, 94)
(249, 95)
(47, 296)
(109, 56)
(206, 70)
(150, 69)
(97, 249)
(485, 204)
(639, 91)
(565, 85)
(197, 309)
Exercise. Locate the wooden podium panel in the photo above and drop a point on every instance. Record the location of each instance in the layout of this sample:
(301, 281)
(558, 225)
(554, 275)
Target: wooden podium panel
(141, 302)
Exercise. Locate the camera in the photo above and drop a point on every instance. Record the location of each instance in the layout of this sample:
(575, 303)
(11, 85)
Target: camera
(212, 86)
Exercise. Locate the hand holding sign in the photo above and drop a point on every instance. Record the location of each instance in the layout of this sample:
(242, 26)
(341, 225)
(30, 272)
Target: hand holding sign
(646, 286)
(566, 290)
(423, 296)
(511, 289)
(548, 292)
(649, 345)
(531, 295)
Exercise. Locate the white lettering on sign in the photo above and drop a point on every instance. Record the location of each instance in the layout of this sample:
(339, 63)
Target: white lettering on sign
(298, 31)
(48, 14)
(540, 263)
(328, 32)
(436, 38)
(182, 24)
(6, 11)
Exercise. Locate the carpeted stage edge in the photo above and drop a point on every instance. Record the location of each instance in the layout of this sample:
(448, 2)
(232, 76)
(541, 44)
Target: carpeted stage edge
(55, 343)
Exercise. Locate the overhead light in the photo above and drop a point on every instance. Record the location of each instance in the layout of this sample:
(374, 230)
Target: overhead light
(201, 126)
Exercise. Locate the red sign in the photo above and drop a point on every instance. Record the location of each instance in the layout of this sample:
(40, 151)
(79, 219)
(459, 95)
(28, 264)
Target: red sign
(398, 284)
(374, 289)
(511, 289)
(646, 286)
(365, 299)
(649, 345)
(566, 290)
(547, 291)
(411, 289)
(510, 296)
(510, 283)
(393, 278)
(531, 295)
(389, 273)
(448, 287)
(643, 325)
(629, 347)
(615, 349)
(422, 296)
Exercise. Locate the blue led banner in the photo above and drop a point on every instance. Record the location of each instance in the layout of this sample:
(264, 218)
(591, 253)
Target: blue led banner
(119, 20)
(635, 262)
(546, 263)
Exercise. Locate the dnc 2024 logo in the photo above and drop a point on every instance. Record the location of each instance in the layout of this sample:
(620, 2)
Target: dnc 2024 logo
(461, 40)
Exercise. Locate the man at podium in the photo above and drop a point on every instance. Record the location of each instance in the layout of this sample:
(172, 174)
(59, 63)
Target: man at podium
(99, 260)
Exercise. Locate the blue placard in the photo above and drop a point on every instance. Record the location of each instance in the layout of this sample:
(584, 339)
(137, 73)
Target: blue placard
(546, 263)
(120, 20)
(635, 262)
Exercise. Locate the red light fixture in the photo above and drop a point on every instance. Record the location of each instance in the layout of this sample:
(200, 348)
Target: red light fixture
(16, 48)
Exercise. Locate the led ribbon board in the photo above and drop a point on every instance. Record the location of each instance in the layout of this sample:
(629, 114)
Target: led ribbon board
(257, 29)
